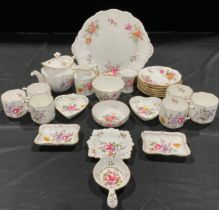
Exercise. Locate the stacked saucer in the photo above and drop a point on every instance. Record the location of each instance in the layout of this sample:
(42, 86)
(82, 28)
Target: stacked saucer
(154, 80)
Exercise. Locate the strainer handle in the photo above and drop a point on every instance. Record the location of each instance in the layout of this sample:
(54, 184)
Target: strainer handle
(112, 200)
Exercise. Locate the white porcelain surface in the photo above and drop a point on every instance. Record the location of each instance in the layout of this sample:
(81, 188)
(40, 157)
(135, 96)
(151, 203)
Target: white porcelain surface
(165, 143)
(110, 142)
(111, 174)
(128, 76)
(159, 75)
(114, 40)
(108, 87)
(57, 134)
(83, 77)
(59, 83)
(110, 113)
(179, 91)
(71, 105)
(37, 88)
(42, 108)
(13, 102)
(203, 107)
(145, 108)
(59, 64)
(173, 112)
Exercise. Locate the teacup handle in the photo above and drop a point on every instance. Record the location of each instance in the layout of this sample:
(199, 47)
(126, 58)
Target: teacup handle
(191, 107)
(26, 102)
(112, 200)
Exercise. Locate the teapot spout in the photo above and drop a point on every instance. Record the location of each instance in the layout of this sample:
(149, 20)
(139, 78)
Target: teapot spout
(38, 75)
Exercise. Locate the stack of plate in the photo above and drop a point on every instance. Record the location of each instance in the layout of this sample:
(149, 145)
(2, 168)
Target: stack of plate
(154, 80)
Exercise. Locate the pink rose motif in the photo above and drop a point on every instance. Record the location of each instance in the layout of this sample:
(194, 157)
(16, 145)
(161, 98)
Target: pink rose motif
(89, 86)
(157, 146)
(111, 178)
(65, 137)
(128, 26)
(180, 120)
(114, 71)
(16, 110)
(72, 107)
(109, 147)
(162, 71)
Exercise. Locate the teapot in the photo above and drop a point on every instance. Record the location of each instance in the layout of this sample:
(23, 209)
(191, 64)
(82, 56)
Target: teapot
(59, 72)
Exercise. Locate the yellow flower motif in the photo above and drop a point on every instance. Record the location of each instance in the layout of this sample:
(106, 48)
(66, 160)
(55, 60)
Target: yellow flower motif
(162, 119)
(46, 138)
(177, 145)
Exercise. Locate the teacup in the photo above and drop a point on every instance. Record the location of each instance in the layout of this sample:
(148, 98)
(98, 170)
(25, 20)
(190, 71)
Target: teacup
(14, 103)
(203, 107)
(128, 76)
(173, 112)
(37, 88)
(42, 108)
(179, 91)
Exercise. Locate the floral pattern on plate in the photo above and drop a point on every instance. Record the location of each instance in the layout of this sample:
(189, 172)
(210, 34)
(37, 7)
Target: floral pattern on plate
(57, 134)
(135, 32)
(145, 108)
(165, 143)
(112, 69)
(110, 142)
(159, 75)
(91, 30)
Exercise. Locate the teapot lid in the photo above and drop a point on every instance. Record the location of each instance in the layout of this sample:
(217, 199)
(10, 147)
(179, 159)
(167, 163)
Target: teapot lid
(59, 62)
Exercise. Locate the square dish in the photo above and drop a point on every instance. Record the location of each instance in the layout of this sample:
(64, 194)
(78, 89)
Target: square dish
(110, 142)
(57, 134)
(165, 143)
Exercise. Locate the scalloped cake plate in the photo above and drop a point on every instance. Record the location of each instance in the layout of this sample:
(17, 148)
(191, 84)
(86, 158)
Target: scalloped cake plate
(145, 108)
(165, 143)
(57, 134)
(110, 142)
(128, 47)
(71, 105)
